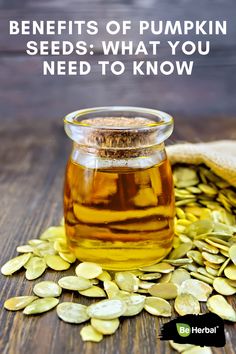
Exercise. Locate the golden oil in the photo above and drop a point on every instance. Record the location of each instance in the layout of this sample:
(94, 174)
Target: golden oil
(120, 217)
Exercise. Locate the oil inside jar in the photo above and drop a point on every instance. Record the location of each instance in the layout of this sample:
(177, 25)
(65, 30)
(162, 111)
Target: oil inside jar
(120, 217)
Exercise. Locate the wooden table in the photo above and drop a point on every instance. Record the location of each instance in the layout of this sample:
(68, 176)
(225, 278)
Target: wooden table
(34, 150)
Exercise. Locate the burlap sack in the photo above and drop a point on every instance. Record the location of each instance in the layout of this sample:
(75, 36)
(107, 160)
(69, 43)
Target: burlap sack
(220, 156)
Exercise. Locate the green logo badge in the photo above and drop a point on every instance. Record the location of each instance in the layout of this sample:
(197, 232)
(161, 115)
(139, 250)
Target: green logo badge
(183, 329)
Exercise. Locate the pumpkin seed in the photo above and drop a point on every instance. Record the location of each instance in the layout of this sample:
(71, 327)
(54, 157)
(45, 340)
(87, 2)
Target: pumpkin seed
(35, 267)
(166, 291)
(179, 262)
(107, 309)
(186, 304)
(18, 302)
(60, 245)
(110, 288)
(105, 326)
(178, 276)
(53, 233)
(211, 271)
(25, 249)
(47, 289)
(218, 305)
(104, 276)
(94, 291)
(222, 268)
(213, 258)
(204, 278)
(41, 305)
(232, 253)
(15, 264)
(127, 281)
(230, 272)
(56, 262)
(199, 227)
(159, 268)
(180, 251)
(185, 177)
(165, 278)
(72, 312)
(73, 282)
(212, 265)
(134, 303)
(203, 271)
(88, 270)
(146, 284)
(90, 334)
(157, 306)
(196, 256)
(223, 287)
(200, 290)
(150, 276)
(68, 257)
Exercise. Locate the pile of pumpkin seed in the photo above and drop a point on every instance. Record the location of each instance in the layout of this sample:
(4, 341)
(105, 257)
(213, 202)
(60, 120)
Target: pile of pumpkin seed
(201, 268)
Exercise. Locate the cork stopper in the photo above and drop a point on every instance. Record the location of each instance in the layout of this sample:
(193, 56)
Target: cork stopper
(118, 122)
(120, 137)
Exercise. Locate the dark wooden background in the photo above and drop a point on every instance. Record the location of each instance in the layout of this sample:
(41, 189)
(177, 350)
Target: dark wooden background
(34, 149)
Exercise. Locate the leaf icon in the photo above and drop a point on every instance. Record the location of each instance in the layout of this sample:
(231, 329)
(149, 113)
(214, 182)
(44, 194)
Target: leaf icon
(183, 329)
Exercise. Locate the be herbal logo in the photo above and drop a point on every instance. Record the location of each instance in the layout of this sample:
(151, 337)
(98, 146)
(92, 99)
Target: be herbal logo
(203, 330)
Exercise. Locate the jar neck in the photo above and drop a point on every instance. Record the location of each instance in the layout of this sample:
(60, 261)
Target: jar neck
(110, 158)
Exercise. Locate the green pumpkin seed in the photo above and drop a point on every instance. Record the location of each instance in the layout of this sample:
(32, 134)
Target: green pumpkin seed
(107, 309)
(230, 272)
(159, 268)
(150, 276)
(94, 291)
(134, 303)
(165, 278)
(232, 253)
(110, 288)
(60, 245)
(47, 289)
(127, 281)
(166, 291)
(223, 266)
(179, 262)
(218, 305)
(90, 334)
(15, 264)
(185, 177)
(75, 283)
(25, 249)
(53, 233)
(204, 272)
(199, 227)
(105, 326)
(56, 263)
(200, 290)
(196, 256)
(212, 265)
(212, 271)
(18, 302)
(88, 270)
(72, 312)
(35, 267)
(213, 258)
(232, 282)
(157, 306)
(222, 287)
(186, 304)
(180, 251)
(68, 257)
(40, 306)
(104, 276)
(146, 284)
(204, 278)
(178, 276)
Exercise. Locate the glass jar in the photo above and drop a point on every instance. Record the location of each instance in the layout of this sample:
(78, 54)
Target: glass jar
(118, 195)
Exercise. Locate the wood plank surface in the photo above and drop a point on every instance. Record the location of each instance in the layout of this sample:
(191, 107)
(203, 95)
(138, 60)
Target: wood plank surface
(34, 147)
